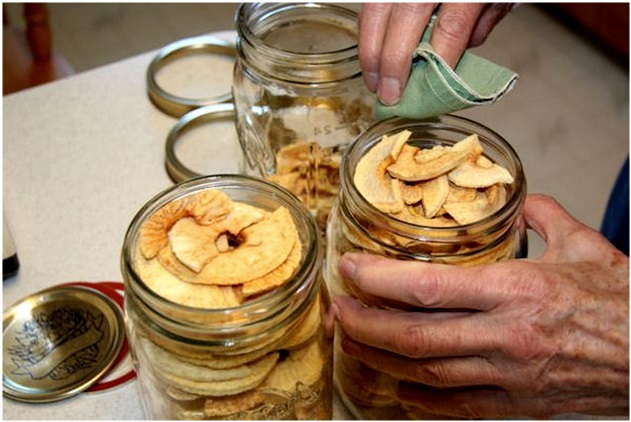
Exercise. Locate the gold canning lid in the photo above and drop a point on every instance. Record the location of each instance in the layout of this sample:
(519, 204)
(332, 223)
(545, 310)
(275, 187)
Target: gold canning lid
(58, 342)
(171, 103)
(176, 169)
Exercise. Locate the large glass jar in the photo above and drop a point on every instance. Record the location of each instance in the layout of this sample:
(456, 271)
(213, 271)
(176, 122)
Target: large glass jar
(355, 225)
(268, 358)
(299, 95)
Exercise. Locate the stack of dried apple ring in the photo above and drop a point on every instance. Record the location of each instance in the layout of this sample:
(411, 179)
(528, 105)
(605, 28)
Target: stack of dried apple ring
(205, 251)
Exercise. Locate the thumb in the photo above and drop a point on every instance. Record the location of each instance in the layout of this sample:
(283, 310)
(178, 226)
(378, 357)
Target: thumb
(550, 220)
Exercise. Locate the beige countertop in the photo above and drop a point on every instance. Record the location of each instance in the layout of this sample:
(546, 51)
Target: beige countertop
(81, 156)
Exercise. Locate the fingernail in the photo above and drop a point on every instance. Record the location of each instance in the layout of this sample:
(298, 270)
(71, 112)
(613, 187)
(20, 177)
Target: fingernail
(389, 91)
(371, 79)
(348, 267)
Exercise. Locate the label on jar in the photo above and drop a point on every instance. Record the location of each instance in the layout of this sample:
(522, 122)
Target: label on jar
(325, 125)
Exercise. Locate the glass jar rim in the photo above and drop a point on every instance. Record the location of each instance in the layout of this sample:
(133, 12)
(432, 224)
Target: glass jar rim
(311, 256)
(334, 56)
(366, 140)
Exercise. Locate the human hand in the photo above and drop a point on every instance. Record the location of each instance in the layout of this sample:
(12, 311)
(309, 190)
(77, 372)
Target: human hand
(389, 33)
(516, 338)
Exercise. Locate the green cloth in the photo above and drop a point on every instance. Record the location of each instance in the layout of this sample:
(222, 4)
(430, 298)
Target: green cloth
(434, 88)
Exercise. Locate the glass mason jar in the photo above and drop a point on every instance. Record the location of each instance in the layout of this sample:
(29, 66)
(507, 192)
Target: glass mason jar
(355, 225)
(299, 95)
(268, 358)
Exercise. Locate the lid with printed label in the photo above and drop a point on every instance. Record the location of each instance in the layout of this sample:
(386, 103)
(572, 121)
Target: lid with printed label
(58, 342)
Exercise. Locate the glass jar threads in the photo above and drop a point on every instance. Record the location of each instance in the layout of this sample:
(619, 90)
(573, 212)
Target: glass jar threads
(299, 95)
(413, 228)
(225, 307)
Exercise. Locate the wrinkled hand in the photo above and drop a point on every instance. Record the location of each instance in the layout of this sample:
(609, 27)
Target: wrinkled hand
(536, 337)
(389, 33)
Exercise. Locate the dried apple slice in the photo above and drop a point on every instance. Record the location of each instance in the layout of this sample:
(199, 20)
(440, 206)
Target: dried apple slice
(287, 180)
(179, 395)
(406, 168)
(229, 405)
(171, 287)
(470, 211)
(470, 175)
(258, 371)
(372, 181)
(266, 245)
(458, 194)
(306, 328)
(395, 188)
(429, 154)
(222, 243)
(410, 216)
(435, 193)
(153, 233)
(192, 243)
(170, 364)
(411, 193)
(292, 157)
(484, 162)
(302, 365)
(173, 265)
(276, 277)
(241, 217)
(208, 206)
(400, 139)
(218, 361)
(331, 160)
(496, 195)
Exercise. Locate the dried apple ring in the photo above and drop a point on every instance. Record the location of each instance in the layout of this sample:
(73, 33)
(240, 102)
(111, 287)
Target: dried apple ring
(304, 364)
(224, 406)
(258, 371)
(266, 245)
(205, 207)
(276, 277)
(171, 287)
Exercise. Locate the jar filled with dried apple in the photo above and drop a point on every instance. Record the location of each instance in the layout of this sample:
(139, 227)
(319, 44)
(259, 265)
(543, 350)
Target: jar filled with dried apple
(446, 190)
(299, 95)
(225, 307)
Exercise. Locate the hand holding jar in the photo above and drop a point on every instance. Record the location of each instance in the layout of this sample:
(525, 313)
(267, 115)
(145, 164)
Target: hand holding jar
(514, 338)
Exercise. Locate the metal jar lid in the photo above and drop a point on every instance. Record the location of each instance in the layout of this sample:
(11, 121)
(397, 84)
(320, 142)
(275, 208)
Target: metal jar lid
(58, 342)
(173, 104)
(216, 112)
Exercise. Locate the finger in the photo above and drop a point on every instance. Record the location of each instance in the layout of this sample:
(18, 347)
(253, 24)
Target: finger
(491, 15)
(413, 335)
(373, 22)
(453, 29)
(485, 402)
(548, 218)
(443, 372)
(428, 285)
(566, 238)
(405, 27)
(473, 402)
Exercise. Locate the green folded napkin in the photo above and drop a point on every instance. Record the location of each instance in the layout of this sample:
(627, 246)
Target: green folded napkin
(434, 88)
